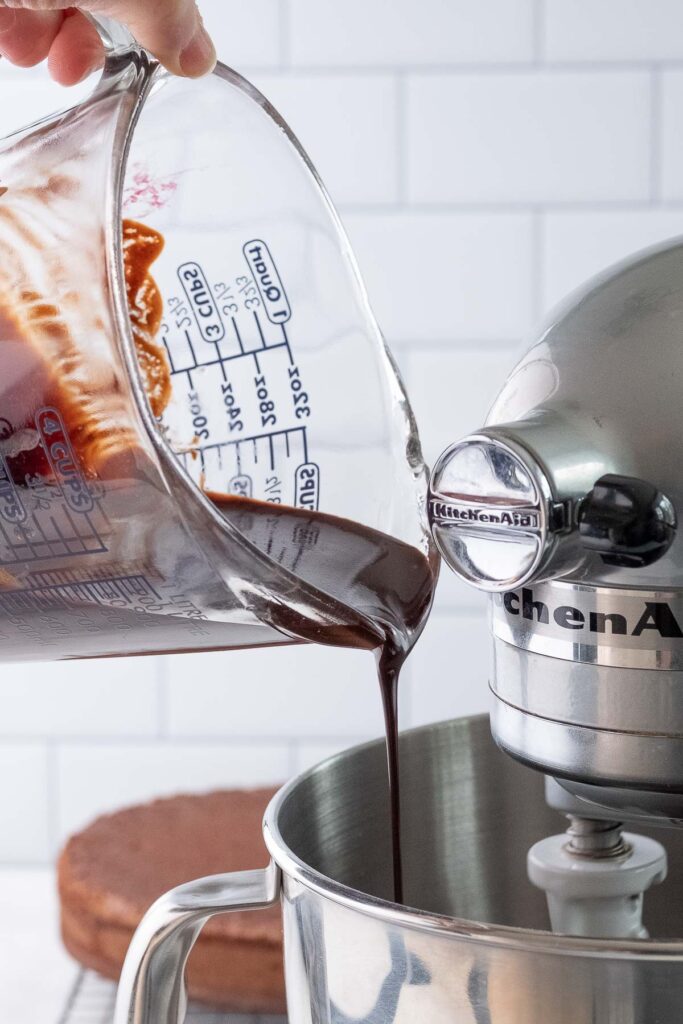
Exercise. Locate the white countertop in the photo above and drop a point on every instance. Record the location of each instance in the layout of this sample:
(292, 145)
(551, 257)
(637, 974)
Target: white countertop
(36, 975)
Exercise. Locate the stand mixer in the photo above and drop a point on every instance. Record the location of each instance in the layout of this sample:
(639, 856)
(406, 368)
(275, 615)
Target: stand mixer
(565, 507)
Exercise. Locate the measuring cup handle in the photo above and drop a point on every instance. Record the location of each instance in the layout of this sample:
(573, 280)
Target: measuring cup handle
(152, 985)
(116, 37)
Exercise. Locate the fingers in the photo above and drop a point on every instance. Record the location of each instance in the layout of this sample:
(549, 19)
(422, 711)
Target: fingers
(76, 50)
(26, 36)
(170, 29)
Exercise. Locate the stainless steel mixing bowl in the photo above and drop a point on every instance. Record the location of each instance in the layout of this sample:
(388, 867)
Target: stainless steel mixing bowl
(472, 952)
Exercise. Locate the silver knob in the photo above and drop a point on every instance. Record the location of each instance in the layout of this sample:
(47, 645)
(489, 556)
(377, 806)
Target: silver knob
(492, 512)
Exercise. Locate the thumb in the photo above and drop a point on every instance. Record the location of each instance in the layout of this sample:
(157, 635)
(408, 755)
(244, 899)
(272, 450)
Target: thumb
(172, 30)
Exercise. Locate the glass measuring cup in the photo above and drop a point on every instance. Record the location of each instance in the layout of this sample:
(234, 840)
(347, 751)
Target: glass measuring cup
(251, 367)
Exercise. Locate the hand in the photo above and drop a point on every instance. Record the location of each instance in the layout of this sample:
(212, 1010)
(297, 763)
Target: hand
(172, 30)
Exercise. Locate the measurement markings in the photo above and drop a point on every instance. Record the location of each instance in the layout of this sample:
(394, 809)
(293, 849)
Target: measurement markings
(45, 540)
(22, 546)
(79, 538)
(220, 361)
(27, 541)
(286, 343)
(9, 543)
(168, 353)
(258, 328)
(137, 585)
(188, 339)
(272, 451)
(227, 359)
(60, 536)
(238, 336)
(258, 365)
(75, 532)
(98, 587)
(256, 437)
(95, 591)
(95, 534)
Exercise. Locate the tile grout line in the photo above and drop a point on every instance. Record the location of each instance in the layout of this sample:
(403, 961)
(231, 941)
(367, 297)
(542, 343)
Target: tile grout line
(217, 740)
(162, 698)
(540, 65)
(503, 207)
(537, 265)
(292, 757)
(473, 69)
(401, 140)
(53, 796)
(655, 139)
(285, 15)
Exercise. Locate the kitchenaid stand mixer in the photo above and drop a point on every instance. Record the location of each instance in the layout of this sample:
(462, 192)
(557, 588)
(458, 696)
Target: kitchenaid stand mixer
(565, 508)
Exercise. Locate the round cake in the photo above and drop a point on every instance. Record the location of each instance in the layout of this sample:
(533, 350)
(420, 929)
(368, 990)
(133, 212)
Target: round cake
(110, 874)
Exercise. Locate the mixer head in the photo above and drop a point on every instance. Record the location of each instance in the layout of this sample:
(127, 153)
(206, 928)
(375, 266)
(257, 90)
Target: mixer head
(564, 507)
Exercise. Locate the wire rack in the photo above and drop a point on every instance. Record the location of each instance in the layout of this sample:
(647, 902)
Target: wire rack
(91, 1001)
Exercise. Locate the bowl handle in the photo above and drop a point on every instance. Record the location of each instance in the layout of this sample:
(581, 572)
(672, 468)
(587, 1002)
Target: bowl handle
(152, 985)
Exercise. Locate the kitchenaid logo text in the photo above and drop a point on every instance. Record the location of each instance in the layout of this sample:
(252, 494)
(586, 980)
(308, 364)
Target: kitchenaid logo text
(489, 515)
(650, 617)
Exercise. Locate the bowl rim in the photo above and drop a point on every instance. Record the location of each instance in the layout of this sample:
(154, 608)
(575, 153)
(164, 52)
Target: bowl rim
(523, 940)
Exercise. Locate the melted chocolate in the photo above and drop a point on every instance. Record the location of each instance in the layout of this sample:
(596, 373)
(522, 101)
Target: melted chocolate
(380, 588)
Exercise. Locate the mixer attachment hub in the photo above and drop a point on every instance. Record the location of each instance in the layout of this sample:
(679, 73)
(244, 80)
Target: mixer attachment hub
(594, 877)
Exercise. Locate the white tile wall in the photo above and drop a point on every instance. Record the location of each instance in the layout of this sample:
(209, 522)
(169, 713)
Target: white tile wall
(296, 691)
(405, 33)
(33, 97)
(485, 157)
(357, 163)
(25, 793)
(309, 753)
(94, 779)
(88, 698)
(247, 33)
(612, 30)
(452, 389)
(577, 244)
(531, 137)
(449, 669)
(441, 276)
(671, 162)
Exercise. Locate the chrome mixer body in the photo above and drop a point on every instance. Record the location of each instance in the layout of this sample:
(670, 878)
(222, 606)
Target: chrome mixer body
(565, 507)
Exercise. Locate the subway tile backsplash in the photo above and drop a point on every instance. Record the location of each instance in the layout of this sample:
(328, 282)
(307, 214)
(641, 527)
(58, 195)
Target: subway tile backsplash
(485, 158)
(535, 136)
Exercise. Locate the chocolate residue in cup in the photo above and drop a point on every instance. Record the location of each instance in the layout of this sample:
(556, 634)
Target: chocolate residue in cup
(141, 247)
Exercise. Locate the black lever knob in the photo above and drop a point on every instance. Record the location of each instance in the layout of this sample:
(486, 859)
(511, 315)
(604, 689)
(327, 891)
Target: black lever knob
(627, 521)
